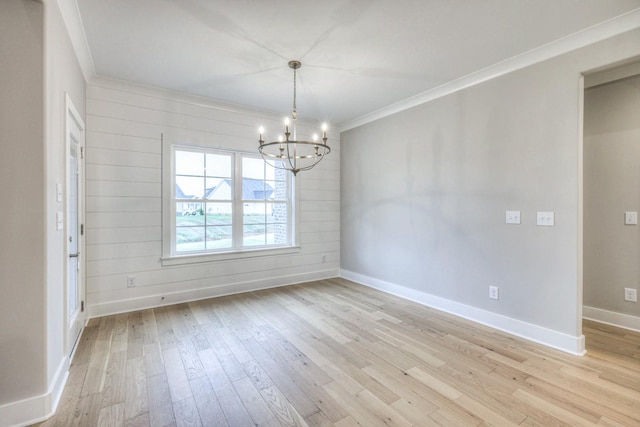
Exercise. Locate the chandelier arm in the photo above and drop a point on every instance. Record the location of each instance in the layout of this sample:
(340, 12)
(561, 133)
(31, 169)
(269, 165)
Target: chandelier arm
(291, 166)
(312, 143)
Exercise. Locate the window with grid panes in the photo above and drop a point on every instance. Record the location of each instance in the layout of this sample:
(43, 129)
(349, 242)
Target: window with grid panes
(228, 201)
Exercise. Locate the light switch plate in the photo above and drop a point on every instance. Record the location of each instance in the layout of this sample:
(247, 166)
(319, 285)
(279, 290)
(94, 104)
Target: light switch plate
(631, 218)
(546, 219)
(513, 217)
(58, 192)
(59, 220)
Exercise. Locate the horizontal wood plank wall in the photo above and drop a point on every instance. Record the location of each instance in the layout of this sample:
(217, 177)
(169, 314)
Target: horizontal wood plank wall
(124, 199)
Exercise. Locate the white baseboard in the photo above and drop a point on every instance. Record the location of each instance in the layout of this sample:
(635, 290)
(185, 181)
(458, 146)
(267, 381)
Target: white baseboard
(529, 331)
(38, 408)
(158, 300)
(620, 320)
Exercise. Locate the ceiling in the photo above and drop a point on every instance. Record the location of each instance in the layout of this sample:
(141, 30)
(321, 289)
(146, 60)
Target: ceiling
(358, 56)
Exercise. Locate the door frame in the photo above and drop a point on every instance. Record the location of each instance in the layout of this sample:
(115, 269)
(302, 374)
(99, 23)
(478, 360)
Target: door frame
(73, 121)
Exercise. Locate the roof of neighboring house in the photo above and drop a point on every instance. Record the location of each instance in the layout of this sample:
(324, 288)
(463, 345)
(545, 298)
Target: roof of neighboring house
(209, 191)
(252, 189)
(180, 194)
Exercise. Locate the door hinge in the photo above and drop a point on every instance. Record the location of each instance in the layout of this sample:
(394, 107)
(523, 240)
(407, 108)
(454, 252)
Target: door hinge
(82, 229)
(82, 152)
(81, 305)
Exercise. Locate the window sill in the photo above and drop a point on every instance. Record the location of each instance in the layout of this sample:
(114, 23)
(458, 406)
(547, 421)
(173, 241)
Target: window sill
(226, 256)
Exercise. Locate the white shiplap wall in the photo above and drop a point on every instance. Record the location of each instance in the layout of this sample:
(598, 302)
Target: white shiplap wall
(124, 199)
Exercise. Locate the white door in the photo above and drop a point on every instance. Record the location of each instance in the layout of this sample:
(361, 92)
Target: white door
(75, 227)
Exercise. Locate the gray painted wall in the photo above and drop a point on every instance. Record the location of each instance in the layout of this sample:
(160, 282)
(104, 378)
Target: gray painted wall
(424, 192)
(63, 77)
(22, 229)
(38, 67)
(612, 186)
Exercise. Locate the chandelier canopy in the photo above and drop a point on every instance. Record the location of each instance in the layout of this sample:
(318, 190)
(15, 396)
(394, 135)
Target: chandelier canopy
(288, 152)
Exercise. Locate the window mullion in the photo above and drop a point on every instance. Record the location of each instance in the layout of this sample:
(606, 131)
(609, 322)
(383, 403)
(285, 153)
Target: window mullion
(291, 230)
(237, 202)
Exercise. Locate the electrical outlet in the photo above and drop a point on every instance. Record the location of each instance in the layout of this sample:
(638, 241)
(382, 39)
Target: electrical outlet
(324, 258)
(512, 217)
(630, 295)
(631, 218)
(131, 281)
(546, 219)
(493, 292)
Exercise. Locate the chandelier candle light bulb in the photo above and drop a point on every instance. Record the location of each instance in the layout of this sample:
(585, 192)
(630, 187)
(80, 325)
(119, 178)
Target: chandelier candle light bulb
(290, 153)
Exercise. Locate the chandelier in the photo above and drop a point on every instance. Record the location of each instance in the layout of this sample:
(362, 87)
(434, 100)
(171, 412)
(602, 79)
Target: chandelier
(288, 152)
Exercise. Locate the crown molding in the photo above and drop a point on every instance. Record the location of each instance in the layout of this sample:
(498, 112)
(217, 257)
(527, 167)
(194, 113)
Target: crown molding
(609, 75)
(604, 30)
(111, 83)
(75, 28)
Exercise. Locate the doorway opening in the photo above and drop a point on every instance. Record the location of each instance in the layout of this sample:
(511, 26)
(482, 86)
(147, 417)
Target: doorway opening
(611, 198)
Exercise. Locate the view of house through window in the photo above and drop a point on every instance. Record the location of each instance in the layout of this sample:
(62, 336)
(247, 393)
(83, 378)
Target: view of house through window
(226, 200)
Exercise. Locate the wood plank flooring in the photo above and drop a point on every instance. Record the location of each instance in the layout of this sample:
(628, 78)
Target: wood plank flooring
(333, 353)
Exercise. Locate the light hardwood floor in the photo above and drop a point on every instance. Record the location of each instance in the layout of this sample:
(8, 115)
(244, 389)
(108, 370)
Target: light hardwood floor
(335, 353)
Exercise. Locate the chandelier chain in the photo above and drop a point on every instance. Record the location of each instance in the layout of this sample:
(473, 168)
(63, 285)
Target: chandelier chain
(294, 92)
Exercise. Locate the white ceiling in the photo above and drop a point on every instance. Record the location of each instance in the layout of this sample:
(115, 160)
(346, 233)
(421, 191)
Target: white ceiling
(358, 56)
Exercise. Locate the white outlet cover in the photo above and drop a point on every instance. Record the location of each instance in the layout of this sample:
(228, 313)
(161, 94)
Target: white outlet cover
(546, 219)
(630, 294)
(631, 218)
(494, 292)
(512, 217)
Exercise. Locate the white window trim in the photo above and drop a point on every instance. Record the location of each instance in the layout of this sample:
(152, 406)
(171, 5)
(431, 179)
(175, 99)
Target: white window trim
(168, 258)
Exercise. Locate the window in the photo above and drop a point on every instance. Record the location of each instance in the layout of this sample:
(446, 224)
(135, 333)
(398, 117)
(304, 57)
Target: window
(224, 201)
